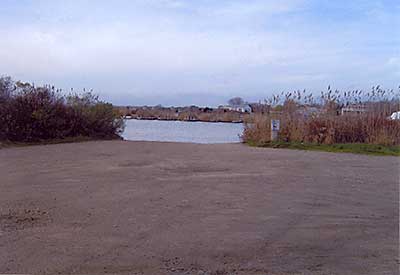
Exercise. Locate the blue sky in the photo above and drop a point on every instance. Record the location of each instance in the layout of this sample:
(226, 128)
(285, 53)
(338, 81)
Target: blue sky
(176, 52)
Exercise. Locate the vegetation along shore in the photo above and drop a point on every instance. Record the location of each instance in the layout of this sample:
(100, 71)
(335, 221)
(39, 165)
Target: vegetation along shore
(43, 114)
(354, 121)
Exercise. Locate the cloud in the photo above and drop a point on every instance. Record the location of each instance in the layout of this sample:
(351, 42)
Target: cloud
(127, 49)
(235, 9)
(394, 64)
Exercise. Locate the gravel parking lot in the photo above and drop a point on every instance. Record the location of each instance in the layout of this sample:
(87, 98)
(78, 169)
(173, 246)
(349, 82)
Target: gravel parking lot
(175, 208)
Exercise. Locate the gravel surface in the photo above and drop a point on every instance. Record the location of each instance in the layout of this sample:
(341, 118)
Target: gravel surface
(123, 207)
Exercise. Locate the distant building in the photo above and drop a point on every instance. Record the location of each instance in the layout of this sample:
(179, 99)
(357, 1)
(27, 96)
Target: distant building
(353, 109)
(225, 107)
(309, 111)
(245, 108)
(395, 116)
(260, 108)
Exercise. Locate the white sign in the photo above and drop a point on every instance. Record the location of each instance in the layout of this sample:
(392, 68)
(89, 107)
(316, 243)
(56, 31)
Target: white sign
(275, 125)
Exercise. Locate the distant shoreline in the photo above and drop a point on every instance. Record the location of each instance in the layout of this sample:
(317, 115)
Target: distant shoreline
(225, 114)
(184, 120)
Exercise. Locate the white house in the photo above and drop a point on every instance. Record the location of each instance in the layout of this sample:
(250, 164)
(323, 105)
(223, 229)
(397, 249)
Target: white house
(241, 108)
(395, 116)
(355, 109)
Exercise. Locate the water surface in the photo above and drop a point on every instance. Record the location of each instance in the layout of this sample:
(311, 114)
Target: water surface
(181, 131)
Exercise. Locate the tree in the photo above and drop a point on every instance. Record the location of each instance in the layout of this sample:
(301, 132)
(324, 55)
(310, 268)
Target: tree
(6, 88)
(236, 101)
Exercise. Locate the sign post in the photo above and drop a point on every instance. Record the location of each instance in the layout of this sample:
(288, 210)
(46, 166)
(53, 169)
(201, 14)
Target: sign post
(275, 125)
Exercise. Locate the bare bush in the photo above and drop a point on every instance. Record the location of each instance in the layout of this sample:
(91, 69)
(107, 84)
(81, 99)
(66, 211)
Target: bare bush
(31, 114)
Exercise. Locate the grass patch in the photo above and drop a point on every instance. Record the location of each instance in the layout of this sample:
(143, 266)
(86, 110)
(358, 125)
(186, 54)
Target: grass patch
(356, 148)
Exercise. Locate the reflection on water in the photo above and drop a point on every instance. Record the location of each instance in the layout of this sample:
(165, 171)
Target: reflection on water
(180, 131)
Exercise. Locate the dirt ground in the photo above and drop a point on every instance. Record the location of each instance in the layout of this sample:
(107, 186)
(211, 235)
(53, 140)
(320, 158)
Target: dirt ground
(167, 208)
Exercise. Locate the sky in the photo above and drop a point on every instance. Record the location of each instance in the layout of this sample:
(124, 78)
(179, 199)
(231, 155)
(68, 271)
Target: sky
(203, 52)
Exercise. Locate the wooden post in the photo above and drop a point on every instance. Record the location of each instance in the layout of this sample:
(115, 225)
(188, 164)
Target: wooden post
(275, 125)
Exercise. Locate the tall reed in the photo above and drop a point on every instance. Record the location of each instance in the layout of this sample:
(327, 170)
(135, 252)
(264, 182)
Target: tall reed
(333, 117)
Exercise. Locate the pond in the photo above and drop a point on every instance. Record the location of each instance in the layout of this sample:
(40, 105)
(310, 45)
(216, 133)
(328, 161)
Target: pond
(182, 131)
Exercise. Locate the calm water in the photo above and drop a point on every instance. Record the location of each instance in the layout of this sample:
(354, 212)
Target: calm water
(180, 131)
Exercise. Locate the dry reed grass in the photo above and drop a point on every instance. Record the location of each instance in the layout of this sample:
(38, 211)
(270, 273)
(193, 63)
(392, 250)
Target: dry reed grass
(305, 118)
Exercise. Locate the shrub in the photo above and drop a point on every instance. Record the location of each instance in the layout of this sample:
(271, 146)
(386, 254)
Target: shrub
(31, 114)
